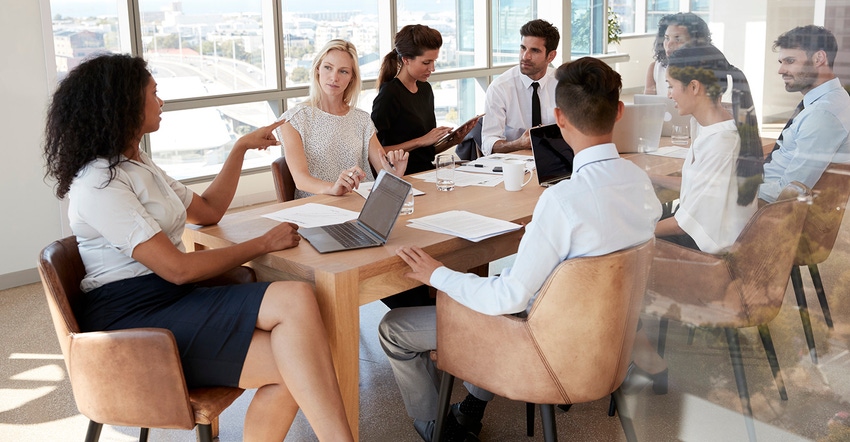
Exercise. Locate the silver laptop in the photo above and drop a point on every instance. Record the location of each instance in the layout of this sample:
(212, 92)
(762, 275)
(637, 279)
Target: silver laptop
(372, 227)
(553, 157)
(639, 121)
(671, 114)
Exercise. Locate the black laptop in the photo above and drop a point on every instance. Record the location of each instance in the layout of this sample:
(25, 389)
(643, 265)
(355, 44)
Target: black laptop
(374, 224)
(553, 157)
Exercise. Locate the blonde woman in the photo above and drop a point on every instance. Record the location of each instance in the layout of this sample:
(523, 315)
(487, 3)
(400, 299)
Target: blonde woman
(329, 144)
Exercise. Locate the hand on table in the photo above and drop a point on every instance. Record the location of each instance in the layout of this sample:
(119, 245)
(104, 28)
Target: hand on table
(422, 265)
(283, 236)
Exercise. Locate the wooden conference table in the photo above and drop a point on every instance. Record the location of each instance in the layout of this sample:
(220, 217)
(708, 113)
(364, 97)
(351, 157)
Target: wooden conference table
(346, 280)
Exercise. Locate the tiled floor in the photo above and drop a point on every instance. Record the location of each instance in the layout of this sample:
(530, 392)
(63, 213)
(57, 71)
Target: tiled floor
(36, 402)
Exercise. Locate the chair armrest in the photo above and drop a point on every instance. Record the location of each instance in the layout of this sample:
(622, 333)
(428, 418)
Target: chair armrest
(130, 377)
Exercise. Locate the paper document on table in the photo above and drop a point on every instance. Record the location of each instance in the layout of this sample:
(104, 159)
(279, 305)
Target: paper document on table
(313, 215)
(463, 179)
(463, 224)
(671, 152)
(487, 163)
(364, 188)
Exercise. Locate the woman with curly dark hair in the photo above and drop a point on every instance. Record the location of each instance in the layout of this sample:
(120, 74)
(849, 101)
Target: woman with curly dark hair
(674, 31)
(128, 217)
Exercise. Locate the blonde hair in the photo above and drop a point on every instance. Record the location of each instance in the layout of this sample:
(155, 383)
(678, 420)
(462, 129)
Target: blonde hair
(352, 92)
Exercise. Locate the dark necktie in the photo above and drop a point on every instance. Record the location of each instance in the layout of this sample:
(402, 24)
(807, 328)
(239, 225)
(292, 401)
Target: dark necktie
(797, 110)
(536, 120)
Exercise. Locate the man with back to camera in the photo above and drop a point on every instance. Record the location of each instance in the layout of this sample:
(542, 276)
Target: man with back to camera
(818, 134)
(510, 105)
(609, 204)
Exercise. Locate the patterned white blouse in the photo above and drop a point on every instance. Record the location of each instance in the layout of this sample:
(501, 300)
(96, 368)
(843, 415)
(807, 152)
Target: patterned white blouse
(332, 143)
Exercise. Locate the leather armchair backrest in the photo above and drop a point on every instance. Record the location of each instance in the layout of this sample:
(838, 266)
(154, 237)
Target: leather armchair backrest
(62, 270)
(761, 258)
(284, 184)
(585, 318)
(823, 220)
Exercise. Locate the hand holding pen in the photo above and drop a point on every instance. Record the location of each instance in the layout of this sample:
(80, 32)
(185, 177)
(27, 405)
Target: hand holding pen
(395, 162)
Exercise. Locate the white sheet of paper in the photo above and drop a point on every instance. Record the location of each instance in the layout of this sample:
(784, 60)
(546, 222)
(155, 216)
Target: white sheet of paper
(463, 179)
(313, 215)
(463, 224)
(671, 151)
(489, 162)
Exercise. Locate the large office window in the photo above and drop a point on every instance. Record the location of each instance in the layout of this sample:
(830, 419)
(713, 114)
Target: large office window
(642, 16)
(226, 67)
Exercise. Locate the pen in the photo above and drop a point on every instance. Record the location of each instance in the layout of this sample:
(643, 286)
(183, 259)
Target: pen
(389, 162)
(478, 165)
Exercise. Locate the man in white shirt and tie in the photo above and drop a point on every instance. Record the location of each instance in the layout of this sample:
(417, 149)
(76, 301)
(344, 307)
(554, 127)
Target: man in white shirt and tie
(818, 134)
(510, 106)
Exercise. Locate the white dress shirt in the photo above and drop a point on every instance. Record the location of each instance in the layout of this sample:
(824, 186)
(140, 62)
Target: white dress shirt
(508, 106)
(110, 221)
(708, 209)
(609, 204)
(817, 136)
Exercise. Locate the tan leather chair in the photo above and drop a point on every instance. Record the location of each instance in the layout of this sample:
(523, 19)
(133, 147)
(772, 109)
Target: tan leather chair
(127, 377)
(574, 346)
(284, 184)
(742, 288)
(820, 230)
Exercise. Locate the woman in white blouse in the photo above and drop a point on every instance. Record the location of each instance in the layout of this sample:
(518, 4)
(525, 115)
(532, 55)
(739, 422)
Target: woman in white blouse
(724, 166)
(329, 144)
(128, 217)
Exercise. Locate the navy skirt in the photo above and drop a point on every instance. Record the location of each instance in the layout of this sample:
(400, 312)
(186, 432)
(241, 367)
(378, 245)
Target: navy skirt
(213, 326)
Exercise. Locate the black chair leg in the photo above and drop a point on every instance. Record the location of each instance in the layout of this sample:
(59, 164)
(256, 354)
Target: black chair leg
(93, 433)
(529, 419)
(662, 335)
(443, 405)
(797, 282)
(625, 421)
(144, 433)
(741, 380)
(827, 316)
(205, 433)
(547, 416)
(612, 406)
(767, 342)
(691, 332)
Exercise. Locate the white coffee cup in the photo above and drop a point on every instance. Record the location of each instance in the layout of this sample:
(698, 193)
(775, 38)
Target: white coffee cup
(513, 172)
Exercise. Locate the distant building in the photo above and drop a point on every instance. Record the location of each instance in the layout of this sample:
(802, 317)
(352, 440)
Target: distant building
(73, 46)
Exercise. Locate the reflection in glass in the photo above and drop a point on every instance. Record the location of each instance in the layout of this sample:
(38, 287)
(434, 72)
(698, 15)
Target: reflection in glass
(455, 21)
(307, 27)
(223, 49)
(508, 18)
(195, 142)
(81, 29)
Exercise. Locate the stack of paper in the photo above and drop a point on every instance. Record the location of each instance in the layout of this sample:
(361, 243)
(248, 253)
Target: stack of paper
(463, 224)
(463, 179)
(313, 215)
(488, 163)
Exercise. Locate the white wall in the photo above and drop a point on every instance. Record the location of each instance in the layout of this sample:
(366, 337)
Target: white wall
(30, 215)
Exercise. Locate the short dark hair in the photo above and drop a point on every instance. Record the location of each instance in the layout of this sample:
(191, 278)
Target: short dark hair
(588, 93)
(810, 39)
(542, 29)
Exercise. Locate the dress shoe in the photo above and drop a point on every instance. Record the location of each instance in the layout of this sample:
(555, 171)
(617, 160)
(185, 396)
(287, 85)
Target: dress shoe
(454, 432)
(637, 379)
(471, 425)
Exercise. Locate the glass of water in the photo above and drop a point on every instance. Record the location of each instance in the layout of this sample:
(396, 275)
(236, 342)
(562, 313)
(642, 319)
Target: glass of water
(681, 134)
(445, 172)
(407, 207)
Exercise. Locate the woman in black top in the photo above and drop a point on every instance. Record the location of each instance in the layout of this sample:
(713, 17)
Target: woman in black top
(403, 111)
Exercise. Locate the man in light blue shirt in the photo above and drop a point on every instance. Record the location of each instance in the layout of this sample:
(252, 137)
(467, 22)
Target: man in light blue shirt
(818, 134)
(609, 204)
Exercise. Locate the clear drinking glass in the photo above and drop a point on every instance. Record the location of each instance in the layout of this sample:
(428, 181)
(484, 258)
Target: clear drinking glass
(681, 135)
(445, 172)
(407, 208)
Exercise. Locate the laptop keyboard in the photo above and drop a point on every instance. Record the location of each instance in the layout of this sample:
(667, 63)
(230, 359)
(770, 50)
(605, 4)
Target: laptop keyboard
(349, 235)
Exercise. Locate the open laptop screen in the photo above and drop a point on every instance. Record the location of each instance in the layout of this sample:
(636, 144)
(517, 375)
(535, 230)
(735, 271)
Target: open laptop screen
(553, 157)
(384, 203)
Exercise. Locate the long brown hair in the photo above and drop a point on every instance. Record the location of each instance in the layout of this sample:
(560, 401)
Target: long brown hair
(410, 42)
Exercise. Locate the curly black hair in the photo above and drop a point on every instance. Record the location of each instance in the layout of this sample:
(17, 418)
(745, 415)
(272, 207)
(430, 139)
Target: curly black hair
(697, 30)
(96, 112)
